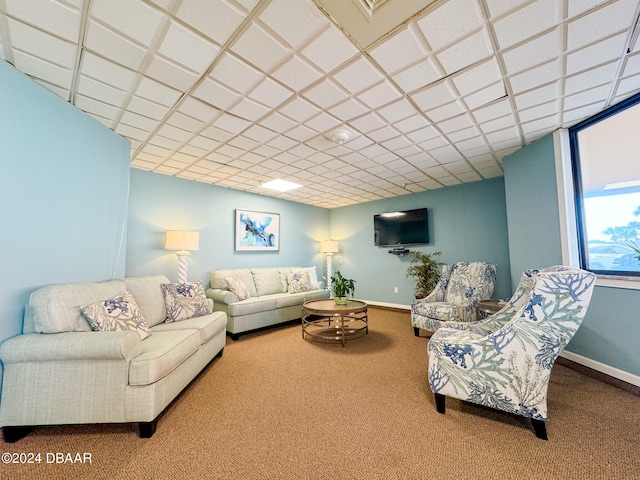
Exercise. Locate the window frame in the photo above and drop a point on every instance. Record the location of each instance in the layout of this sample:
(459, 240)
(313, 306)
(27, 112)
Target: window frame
(574, 149)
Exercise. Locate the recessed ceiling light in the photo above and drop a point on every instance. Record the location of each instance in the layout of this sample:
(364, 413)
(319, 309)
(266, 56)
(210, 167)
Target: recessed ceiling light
(280, 185)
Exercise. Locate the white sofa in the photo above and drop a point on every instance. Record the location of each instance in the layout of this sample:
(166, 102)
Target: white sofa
(59, 371)
(269, 302)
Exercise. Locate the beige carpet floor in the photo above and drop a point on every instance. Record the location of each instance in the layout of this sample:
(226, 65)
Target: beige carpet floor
(278, 407)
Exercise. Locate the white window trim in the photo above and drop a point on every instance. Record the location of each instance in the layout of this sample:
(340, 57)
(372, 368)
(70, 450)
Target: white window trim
(567, 213)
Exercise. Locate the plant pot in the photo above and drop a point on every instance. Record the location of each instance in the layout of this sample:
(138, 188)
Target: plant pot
(341, 300)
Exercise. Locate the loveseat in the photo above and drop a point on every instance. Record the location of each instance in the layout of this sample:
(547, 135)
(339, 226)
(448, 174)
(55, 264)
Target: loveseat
(271, 295)
(61, 371)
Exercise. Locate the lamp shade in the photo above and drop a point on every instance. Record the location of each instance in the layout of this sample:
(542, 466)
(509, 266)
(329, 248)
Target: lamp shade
(181, 240)
(329, 246)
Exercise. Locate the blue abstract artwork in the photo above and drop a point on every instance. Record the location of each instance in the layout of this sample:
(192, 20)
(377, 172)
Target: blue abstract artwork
(257, 230)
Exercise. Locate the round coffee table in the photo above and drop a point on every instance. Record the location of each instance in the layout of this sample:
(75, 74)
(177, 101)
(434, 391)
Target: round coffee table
(324, 320)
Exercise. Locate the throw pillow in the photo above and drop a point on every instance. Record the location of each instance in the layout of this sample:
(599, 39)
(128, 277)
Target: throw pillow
(236, 285)
(184, 300)
(313, 276)
(299, 282)
(116, 314)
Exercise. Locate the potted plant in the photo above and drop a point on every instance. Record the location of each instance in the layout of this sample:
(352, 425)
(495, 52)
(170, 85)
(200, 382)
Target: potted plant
(425, 270)
(342, 287)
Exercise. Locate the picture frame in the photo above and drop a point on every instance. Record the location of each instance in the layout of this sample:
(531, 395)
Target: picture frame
(257, 231)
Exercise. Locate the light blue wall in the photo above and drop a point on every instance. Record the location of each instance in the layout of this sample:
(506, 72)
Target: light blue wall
(159, 203)
(64, 193)
(609, 333)
(466, 222)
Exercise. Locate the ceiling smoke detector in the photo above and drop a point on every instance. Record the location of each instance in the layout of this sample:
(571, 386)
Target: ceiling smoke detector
(340, 136)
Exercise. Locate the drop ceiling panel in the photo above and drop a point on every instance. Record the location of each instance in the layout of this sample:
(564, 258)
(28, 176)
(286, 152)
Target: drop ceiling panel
(235, 92)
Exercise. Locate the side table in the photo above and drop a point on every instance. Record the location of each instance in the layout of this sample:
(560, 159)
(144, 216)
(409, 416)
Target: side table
(486, 308)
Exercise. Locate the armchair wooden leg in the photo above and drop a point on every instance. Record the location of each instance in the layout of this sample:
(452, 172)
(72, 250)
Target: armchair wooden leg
(540, 428)
(416, 331)
(440, 402)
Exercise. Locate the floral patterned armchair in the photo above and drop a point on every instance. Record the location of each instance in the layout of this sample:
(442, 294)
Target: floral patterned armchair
(454, 298)
(504, 362)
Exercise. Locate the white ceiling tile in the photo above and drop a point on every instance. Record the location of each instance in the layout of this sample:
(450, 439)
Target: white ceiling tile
(299, 110)
(107, 71)
(216, 94)
(174, 133)
(423, 135)
(296, 73)
(537, 96)
(412, 123)
(379, 95)
(39, 44)
(230, 124)
(260, 48)
(539, 111)
(590, 78)
(215, 133)
(498, 124)
(434, 96)
(55, 17)
(358, 76)
(465, 52)
(171, 74)
(101, 91)
(593, 95)
(576, 7)
(322, 122)
(444, 112)
(134, 18)
(495, 110)
(278, 123)
(368, 123)
(486, 95)
(627, 86)
(259, 133)
(187, 48)
(397, 110)
(539, 50)
(147, 108)
(477, 77)
(236, 74)
(157, 92)
(451, 21)
(217, 19)
(602, 23)
(499, 7)
(384, 133)
(399, 51)
(92, 106)
(114, 46)
(294, 21)
(301, 133)
(528, 22)
(418, 76)
(454, 124)
(329, 50)
(185, 122)
(601, 52)
(326, 94)
(249, 109)
(270, 93)
(536, 76)
(133, 119)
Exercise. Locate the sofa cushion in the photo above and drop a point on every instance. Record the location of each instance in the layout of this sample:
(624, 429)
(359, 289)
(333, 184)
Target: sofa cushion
(208, 326)
(217, 279)
(298, 281)
(184, 300)
(149, 297)
(161, 353)
(267, 281)
(254, 305)
(119, 313)
(56, 308)
(236, 285)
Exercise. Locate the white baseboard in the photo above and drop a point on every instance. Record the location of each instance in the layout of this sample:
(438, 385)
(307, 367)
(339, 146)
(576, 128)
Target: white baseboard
(603, 368)
(388, 305)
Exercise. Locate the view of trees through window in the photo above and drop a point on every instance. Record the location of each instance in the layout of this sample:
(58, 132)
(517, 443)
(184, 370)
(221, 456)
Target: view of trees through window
(606, 163)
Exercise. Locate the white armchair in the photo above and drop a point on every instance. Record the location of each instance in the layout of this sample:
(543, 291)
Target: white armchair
(454, 298)
(504, 362)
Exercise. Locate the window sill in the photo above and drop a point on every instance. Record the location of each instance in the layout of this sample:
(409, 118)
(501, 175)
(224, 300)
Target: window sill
(631, 283)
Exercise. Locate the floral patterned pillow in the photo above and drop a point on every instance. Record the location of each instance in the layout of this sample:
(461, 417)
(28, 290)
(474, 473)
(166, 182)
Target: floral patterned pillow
(116, 314)
(299, 281)
(184, 300)
(236, 285)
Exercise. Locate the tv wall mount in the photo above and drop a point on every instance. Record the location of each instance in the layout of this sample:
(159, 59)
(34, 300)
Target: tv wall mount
(399, 251)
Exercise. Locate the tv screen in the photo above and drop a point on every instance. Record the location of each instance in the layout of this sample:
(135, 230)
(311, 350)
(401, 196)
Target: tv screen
(408, 227)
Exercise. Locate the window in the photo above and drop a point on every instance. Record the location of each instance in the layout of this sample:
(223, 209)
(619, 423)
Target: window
(605, 154)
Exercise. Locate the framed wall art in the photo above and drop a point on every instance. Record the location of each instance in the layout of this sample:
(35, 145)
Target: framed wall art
(257, 231)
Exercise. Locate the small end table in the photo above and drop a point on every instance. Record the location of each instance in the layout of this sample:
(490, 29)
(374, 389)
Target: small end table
(486, 308)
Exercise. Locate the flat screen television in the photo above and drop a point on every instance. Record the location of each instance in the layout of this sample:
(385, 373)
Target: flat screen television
(408, 227)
